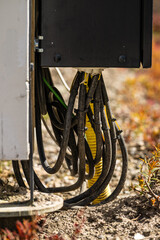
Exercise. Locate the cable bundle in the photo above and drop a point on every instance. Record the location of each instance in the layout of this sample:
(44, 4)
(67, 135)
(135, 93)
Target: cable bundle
(87, 137)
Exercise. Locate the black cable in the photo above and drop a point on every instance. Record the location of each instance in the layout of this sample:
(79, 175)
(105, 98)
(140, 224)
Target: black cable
(69, 134)
(92, 90)
(121, 182)
(18, 175)
(84, 198)
(97, 123)
(64, 141)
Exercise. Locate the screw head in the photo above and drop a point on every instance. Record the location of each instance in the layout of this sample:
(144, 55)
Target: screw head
(40, 50)
(122, 59)
(40, 37)
(57, 58)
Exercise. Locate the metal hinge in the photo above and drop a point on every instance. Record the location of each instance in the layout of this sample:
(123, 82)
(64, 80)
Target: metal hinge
(36, 44)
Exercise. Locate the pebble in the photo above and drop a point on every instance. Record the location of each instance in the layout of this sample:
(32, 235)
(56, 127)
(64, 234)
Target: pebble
(132, 150)
(131, 233)
(138, 236)
(110, 237)
(118, 219)
(146, 233)
(101, 237)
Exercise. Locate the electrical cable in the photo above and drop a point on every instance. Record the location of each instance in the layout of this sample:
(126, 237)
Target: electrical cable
(93, 160)
(62, 79)
(16, 169)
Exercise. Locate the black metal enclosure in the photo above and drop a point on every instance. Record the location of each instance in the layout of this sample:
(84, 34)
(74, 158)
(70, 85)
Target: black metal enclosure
(91, 33)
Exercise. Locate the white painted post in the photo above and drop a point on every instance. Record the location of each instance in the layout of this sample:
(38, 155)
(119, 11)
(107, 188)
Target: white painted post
(14, 77)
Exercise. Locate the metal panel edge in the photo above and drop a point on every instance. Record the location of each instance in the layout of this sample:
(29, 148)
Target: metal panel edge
(14, 76)
(147, 15)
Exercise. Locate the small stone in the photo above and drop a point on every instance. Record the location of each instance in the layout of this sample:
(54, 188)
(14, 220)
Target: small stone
(118, 219)
(108, 237)
(117, 238)
(132, 150)
(138, 236)
(146, 233)
(131, 233)
(101, 237)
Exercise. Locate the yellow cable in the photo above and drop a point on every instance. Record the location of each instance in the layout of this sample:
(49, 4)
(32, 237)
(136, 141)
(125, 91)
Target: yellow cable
(91, 139)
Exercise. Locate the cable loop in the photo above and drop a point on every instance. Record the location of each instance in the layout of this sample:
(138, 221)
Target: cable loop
(87, 137)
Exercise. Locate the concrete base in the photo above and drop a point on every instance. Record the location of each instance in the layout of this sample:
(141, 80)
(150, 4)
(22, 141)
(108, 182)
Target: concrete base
(9, 215)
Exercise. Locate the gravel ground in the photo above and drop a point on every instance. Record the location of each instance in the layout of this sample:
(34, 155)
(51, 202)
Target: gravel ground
(128, 217)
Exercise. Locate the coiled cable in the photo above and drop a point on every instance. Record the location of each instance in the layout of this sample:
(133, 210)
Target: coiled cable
(68, 131)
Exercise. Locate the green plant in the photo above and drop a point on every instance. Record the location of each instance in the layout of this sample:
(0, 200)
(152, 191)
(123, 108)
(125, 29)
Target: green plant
(28, 230)
(24, 231)
(149, 178)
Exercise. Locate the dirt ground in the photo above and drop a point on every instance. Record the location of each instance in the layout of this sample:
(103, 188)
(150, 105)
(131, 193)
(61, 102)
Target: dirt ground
(125, 218)
(128, 217)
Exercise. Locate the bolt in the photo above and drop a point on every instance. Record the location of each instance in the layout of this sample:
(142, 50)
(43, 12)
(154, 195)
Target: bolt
(57, 58)
(40, 50)
(122, 58)
(40, 37)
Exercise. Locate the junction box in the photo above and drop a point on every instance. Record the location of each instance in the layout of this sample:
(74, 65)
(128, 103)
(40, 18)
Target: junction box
(104, 33)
